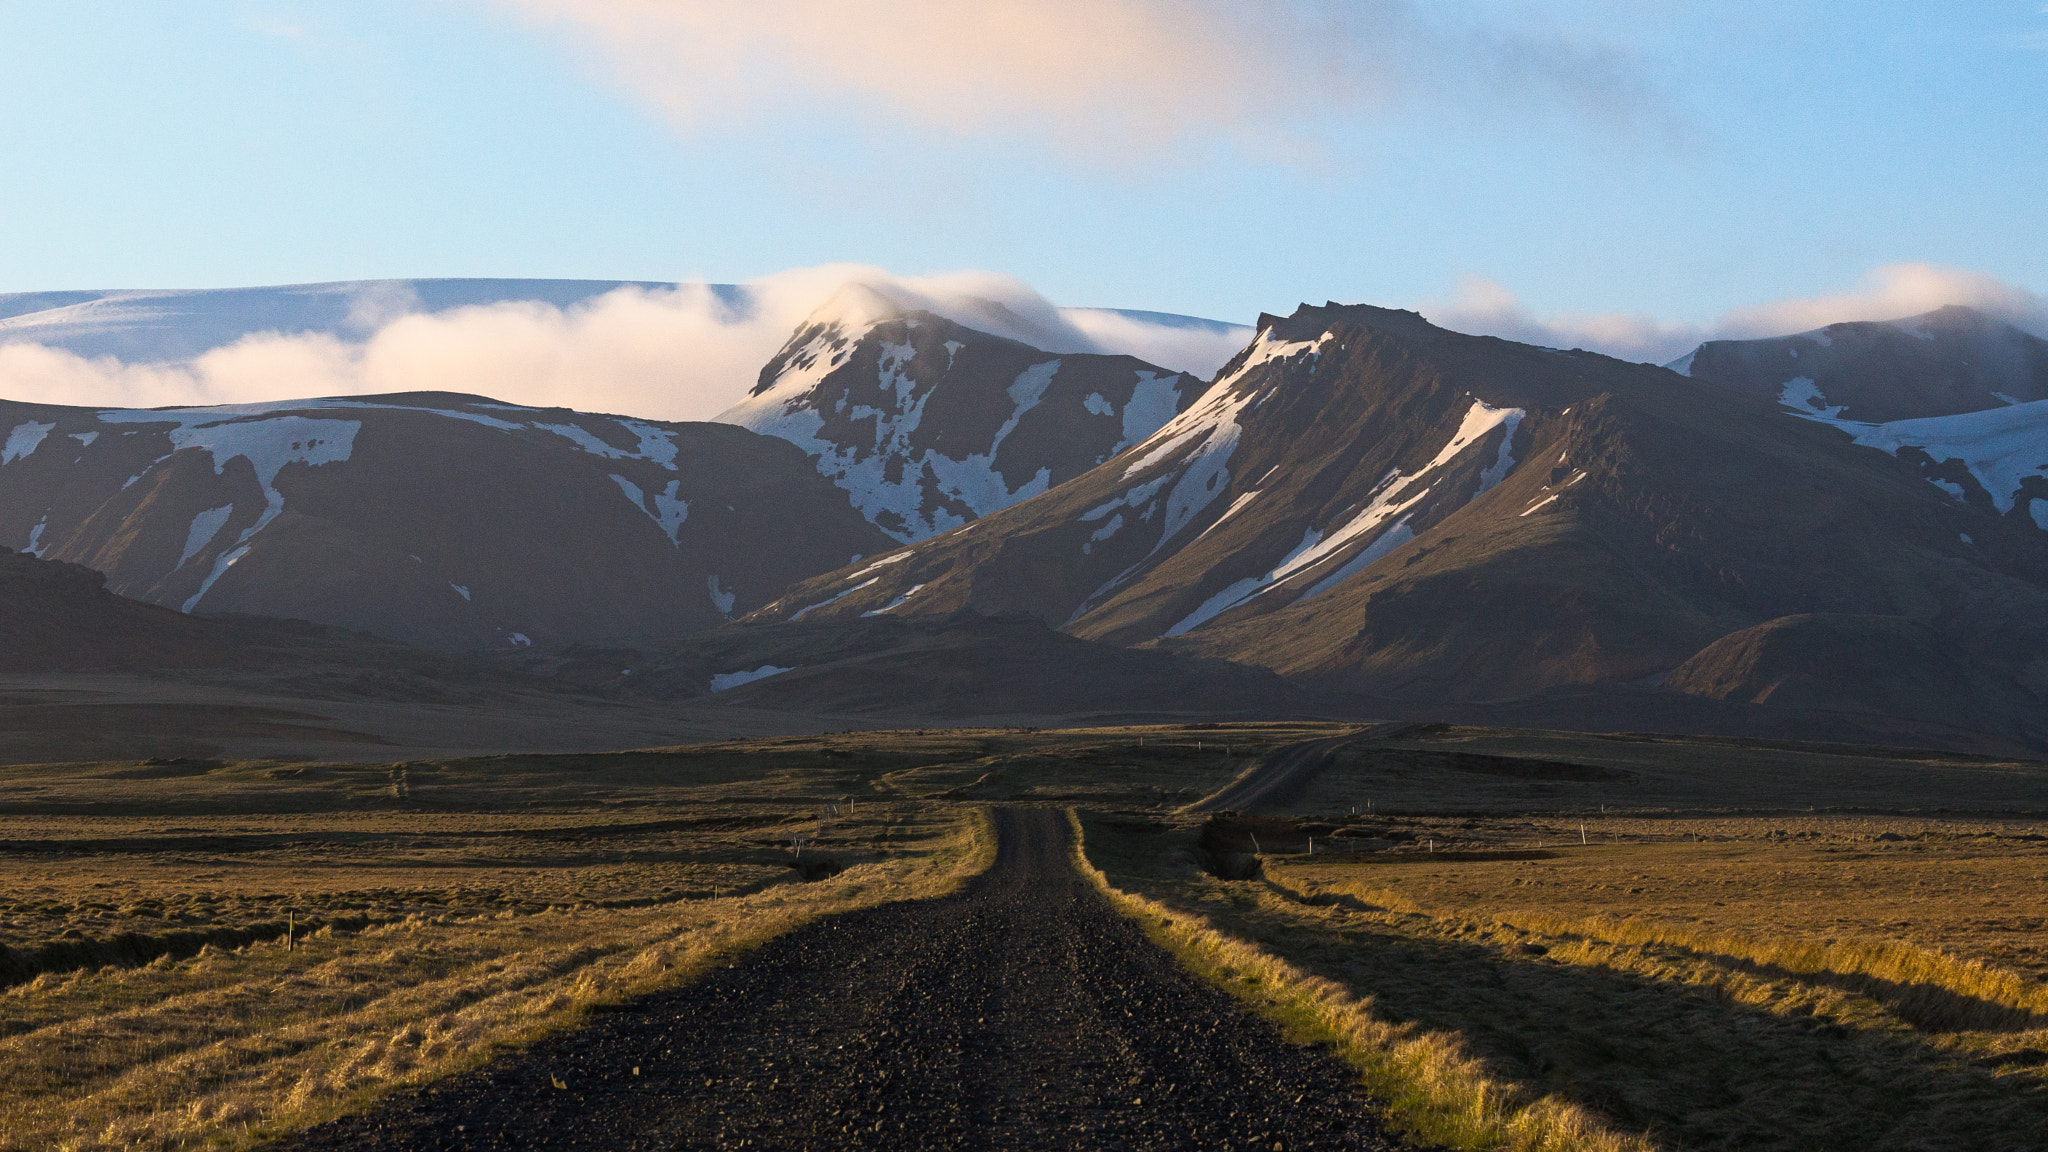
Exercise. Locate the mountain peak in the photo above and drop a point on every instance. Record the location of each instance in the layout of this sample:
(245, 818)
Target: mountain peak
(855, 305)
(1946, 362)
(1310, 321)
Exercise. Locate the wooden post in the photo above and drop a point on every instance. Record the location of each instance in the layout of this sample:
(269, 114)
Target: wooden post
(291, 924)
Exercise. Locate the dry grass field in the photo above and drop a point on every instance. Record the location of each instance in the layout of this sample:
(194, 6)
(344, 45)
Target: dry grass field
(1782, 982)
(436, 913)
(1718, 944)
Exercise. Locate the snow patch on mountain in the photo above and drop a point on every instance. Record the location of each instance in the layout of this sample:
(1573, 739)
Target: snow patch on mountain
(24, 440)
(898, 602)
(1803, 394)
(835, 599)
(728, 680)
(1267, 349)
(665, 509)
(2000, 446)
(205, 526)
(1153, 402)
(721, 599)
(890, 476)
(1199, 442)
(1130, 499)
(1395, 495)
(1242, 590)
(267, 442)
(892, 558)
(1115, 525)
(656, 445)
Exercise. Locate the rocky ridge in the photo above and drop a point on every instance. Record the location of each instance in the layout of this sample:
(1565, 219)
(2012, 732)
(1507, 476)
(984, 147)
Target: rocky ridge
(928, 425)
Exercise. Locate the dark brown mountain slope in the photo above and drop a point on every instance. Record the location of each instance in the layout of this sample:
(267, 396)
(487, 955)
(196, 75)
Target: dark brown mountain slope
(1663, 520)
(925, 668)
(1368, 503)
(58, 617)
(426, 518)
(1946, 362)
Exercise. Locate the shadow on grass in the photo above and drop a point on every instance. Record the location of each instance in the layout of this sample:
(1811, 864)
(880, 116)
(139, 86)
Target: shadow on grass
(1921, 1005)
(1685, 1062)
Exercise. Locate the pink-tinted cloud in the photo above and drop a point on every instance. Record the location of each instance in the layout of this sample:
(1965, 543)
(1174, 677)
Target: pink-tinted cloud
(1104, 78)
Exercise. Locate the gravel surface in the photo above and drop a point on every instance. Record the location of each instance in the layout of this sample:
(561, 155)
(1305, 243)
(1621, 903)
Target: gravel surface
(1022, 1013)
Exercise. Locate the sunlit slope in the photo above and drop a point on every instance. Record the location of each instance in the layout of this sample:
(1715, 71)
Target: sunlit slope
(1372, 503)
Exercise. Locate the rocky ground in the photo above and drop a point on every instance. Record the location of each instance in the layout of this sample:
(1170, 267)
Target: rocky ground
(1022, 1013)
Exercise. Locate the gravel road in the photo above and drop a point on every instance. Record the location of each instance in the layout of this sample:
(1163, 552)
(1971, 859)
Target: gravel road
(1023, 1013)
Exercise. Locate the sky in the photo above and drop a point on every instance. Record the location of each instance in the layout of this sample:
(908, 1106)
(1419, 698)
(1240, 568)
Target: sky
(1630, 175)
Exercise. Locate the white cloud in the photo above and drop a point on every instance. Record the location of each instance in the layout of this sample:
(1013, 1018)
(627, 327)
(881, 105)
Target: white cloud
(1200, 349)
(1891, 292)
(1108, 78)
(1485, 308)
(688, 352)
(685, 353)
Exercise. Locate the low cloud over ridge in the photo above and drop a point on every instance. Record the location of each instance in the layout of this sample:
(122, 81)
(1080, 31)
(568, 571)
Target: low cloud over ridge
(1891, 292)
(682, 353)
(689, 352)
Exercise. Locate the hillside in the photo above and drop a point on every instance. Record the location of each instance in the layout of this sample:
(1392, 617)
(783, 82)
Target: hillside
(57, 617)
(929, 425)
(1943, 363)
(1365, 502)
(427, 518)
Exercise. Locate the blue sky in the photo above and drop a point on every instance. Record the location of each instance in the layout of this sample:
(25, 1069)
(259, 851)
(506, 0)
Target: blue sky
(1679, 161)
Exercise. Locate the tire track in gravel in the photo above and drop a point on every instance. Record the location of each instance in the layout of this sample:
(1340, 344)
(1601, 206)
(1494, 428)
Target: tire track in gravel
(1021, 1013)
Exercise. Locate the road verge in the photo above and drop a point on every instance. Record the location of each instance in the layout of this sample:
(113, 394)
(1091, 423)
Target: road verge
(1435, 1091)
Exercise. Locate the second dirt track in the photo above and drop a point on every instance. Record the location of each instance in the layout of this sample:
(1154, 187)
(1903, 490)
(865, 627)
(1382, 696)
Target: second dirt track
(1022, 1013)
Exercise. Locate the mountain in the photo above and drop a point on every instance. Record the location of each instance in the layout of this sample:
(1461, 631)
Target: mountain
(160, 325)
(58, 617)
(929, 425)
(1368, 503)
(429, 518)
(1956, 393)
(1945, 363)
(911, 670)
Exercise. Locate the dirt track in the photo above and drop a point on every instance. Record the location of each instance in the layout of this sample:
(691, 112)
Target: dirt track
(1022, 1013)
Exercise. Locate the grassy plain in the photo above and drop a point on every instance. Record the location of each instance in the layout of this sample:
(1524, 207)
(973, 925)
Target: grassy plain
(1722, 982)
(1720, 944)
(437, 912)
